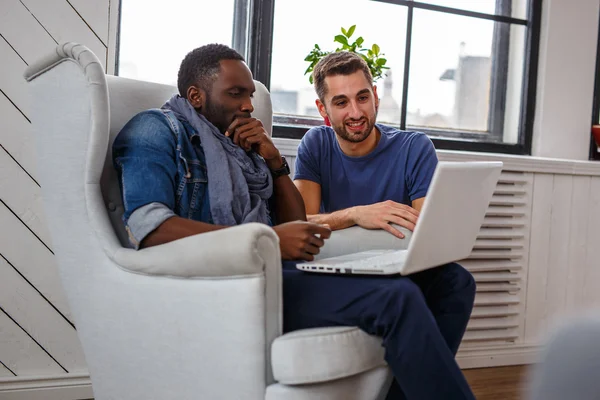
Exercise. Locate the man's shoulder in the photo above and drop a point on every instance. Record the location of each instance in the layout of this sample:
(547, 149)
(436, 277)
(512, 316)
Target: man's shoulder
(410, 140)
(317, 133)
(400, 135)
(317, 137)
(149, 126)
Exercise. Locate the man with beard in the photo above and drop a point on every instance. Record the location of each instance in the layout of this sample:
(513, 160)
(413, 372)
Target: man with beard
(202, 163)
(361, 173)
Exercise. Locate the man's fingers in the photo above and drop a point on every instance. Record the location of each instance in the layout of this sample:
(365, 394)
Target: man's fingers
(316, 241)
(248, 126)
(311, 249)
(402, 222)
(393, 231)
(305, 256)
(238, 125)
(321, 230)
(406, 215)
(231, 128)
(403, 207)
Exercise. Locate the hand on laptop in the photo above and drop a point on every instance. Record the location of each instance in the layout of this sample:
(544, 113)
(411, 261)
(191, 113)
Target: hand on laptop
(381, 215)
(301, 240)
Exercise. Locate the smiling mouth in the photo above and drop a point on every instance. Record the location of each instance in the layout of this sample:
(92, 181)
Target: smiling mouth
(356, 125)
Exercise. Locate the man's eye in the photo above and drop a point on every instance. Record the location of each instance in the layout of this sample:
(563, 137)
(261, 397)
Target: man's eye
(340, 103)
(234, 94)
(363, 98)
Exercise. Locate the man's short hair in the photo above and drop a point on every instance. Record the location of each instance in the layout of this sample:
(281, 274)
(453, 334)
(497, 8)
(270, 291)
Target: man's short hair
(338, 63)
(201, 66)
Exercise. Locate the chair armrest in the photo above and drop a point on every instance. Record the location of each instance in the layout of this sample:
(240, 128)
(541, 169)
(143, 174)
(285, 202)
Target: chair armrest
(240, 250)
(355, 239)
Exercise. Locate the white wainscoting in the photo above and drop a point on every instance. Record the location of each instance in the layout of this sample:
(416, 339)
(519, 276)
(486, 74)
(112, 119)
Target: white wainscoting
(537, 256)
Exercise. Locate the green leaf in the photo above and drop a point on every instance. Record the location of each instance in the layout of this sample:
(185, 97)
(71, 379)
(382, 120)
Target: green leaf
(345, 32)
(359, 41)
(341, 39)
(309, 57)
(317, 47)
(310, 79)
(375, 49)
(381, 61)
(351, 30)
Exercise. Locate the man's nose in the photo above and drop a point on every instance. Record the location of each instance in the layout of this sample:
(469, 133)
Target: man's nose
(247, 106)
(355, 111)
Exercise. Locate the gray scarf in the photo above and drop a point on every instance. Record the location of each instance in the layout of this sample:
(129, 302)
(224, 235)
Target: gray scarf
(239, 183)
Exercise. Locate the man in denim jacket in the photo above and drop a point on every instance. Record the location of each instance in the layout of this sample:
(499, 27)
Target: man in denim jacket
(202, 163)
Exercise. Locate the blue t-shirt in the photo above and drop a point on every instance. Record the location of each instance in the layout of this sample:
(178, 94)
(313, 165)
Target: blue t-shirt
(399, 169)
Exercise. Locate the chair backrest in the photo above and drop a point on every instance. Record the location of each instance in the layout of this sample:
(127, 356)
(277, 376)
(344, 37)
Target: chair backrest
(127, 97)
(105, 104)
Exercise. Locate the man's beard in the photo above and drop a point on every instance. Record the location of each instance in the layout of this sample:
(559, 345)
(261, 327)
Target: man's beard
(214, 114)
(342, 131)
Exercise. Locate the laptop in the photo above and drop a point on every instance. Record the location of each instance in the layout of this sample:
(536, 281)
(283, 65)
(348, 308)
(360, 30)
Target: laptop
(449, 222)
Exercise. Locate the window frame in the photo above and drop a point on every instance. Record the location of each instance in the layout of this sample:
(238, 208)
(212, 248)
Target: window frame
(252, 36)
(261, 44)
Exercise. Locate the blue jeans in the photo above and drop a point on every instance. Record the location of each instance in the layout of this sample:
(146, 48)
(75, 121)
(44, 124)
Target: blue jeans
(421, 318)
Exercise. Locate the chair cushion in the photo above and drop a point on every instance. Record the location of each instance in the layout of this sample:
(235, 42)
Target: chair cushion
(323, 354)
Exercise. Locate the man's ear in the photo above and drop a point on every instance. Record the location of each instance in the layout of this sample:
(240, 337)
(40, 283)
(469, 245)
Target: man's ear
(376, 97)
(321, 108)
(196, 97)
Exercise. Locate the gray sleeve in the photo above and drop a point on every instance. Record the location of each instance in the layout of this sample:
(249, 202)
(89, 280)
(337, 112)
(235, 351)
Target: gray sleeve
(146, 219)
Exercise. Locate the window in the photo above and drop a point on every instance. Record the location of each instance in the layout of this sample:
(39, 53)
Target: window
(154, 38)
(463, 71)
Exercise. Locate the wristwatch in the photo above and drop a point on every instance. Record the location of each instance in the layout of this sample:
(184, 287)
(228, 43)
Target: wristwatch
(281, 171)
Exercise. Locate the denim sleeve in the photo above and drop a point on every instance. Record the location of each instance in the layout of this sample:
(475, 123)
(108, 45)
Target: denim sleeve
(421, 164)
(146, 219)
(144, 155)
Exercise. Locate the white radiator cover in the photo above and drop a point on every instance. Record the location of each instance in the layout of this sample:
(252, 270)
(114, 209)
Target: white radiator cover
(534, 255)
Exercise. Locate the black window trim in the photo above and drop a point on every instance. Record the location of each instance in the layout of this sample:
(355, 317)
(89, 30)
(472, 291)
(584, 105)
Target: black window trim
(259, 53)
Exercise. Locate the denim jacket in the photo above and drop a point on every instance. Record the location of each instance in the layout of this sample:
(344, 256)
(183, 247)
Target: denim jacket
(162, 172)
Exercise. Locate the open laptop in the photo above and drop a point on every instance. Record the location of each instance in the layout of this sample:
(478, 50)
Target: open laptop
(449, 222)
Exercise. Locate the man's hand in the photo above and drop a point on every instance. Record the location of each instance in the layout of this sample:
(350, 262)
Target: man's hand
(380, 215)
(300, 240)
(250, 134)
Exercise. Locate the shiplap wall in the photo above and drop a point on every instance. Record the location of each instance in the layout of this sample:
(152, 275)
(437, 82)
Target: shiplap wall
(37, 334)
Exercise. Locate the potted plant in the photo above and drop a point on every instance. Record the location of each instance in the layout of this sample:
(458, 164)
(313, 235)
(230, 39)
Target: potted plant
(372, 55)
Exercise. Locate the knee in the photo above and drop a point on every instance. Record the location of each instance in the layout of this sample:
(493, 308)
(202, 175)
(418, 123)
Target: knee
(461, 280)
(404, 294)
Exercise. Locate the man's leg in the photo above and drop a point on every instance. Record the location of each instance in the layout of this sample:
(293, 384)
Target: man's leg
(391, 307)
(450, 293)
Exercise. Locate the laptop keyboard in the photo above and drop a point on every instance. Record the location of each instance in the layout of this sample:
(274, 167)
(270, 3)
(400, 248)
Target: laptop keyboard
(396, 257)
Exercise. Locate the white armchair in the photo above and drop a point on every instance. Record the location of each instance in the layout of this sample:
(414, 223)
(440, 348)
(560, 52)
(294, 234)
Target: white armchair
(197, 318)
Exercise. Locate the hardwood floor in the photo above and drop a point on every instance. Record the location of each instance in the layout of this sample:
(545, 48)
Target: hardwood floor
(499, 383)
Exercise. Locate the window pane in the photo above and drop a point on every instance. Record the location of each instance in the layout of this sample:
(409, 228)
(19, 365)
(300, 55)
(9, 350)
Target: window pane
(462, 78)
(290, 88)
(154, 37)
(450, 71)
(508, 8)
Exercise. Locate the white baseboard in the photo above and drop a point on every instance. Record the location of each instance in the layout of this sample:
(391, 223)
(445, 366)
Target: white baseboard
(519, 354)
(60, 387)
